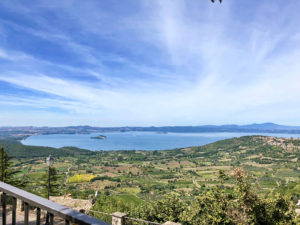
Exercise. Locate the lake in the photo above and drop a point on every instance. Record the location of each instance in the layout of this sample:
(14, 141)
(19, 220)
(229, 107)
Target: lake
(135, 140)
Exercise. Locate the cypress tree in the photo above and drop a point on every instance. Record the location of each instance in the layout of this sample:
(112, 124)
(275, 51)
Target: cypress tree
(6, 171)
(55, 186)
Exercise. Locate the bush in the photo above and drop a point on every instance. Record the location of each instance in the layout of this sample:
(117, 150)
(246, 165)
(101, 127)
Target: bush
(220, 205)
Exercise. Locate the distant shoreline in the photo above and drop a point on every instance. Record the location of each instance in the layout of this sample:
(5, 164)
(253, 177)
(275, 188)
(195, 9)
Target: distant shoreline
(251, 128)
(21, 137)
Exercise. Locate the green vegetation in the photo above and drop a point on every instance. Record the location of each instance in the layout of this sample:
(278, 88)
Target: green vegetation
(199, 181)
(221, 205)
(7, 173)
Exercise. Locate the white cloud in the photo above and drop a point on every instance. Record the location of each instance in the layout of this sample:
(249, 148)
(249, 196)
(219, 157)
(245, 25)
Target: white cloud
(225, 71)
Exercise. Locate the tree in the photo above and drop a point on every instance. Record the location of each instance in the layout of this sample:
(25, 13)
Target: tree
(211, 207)
(7, 174)
(241, 205)
(54, 184)
(255, 210)
(167, 209)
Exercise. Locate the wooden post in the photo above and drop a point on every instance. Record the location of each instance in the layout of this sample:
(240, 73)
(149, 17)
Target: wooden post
(118, 218)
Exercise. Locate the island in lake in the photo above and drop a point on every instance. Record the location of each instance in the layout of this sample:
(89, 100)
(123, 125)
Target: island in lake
(99, 137)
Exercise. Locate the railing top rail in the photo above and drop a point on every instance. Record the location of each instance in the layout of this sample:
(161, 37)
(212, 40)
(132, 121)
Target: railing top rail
(52, 207)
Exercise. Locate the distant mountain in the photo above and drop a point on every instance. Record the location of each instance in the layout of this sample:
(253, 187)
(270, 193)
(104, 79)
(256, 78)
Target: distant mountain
(270, 126)
(255, 128)
(23, 132)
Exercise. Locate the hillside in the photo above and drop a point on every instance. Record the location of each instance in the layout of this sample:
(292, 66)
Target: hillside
(16, 149)
(146, 174)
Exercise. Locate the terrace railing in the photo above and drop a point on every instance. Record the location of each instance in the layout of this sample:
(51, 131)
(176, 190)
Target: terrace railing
(11, 194)
(31, 200)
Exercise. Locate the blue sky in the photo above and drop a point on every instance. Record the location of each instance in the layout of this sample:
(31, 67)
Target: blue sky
(141, 63)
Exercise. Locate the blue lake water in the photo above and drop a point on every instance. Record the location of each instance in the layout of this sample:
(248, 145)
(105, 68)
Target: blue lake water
(135, 140)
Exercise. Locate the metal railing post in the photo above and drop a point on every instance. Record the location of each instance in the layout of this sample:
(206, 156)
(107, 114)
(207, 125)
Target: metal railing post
(14, 211)
(26, 213)
(38, 216)
(3, 201)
